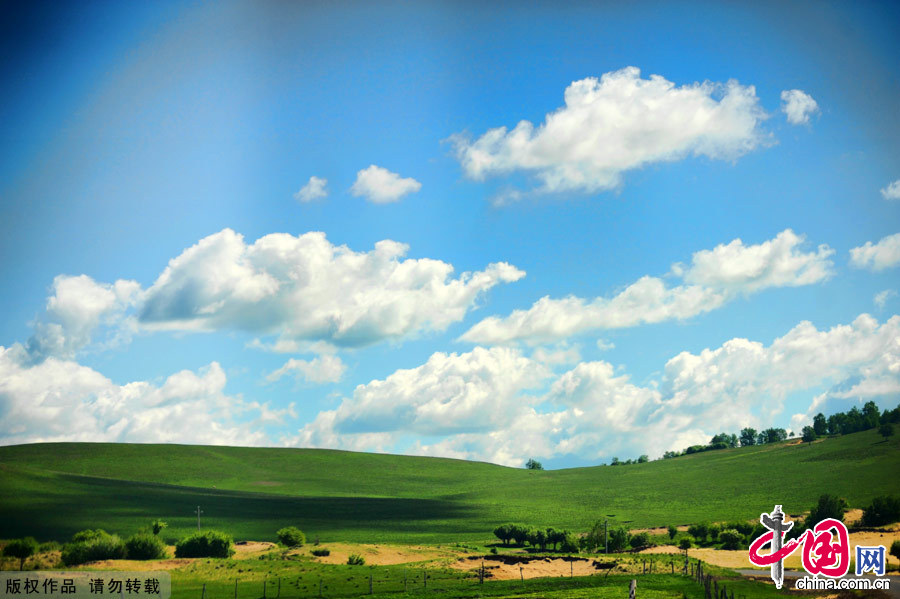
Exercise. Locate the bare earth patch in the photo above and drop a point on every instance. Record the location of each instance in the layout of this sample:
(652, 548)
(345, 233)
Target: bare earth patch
(377, 555)
(251, 549)
(547, 567)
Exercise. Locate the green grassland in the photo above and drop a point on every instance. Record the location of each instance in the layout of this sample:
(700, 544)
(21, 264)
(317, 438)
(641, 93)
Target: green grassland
(51, 490)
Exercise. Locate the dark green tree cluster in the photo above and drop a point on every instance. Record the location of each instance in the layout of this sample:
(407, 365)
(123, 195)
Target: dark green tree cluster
(883, 510)
(538, 538)
(210, 543)
(855, 420)
(533, 464)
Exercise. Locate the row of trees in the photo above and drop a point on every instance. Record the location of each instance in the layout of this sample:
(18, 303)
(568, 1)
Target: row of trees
(539, 538)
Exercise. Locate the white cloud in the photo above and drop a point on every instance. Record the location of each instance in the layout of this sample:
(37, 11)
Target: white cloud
(449, 394)
(881, 298)
(313, 190)
(879, 256)
(380, 186)
(305, 288)
(76, 308)
(61, 400)
(892, 191)
(778, 262)
(619, 123)
(321, 369)
(503, 407)
(798, 106)
(713, 278)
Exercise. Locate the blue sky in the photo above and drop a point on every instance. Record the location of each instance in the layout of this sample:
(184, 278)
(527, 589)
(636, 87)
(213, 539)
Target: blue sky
(249, 223)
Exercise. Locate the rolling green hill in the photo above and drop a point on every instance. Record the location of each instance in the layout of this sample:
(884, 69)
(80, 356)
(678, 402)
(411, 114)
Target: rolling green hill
(52, 490)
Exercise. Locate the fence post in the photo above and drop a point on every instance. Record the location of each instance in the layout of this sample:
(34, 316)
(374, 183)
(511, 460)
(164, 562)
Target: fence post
(370, 583)
(632, 589)
(425, 579)
(320, 587)
(481, 574)
(279, 586)
(235, 588)
(404, 580)
(265, 580)
(522, 574)
(571, 569)
(203, 592)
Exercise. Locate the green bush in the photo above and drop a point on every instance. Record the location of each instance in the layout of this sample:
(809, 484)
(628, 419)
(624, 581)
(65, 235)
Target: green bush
(730, 539)
(618, 540)
(640, 540)
(895, 549)
(211, 543)
(685, 543)
(569, 544)
(91, 546)
(291, 536)
(672, 531)
(21, 549)
(145, 546)
(321, 552)
(49, 546)
(356, 560)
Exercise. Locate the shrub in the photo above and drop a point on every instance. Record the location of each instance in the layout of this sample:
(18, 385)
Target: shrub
(21, 549)
(730, 539)
(145, 546)
(640, 540)
(49, 546)
(569, 543)
(618, 540)
(698, 531)
(291, 536)
(494, 550)
(157, 525)
(829, 506)
(356, 560)
(883, 510)
(91, 546)
(321, 552)
(895, 549)
(205, 544)
(685, 543)
(672, 531)
(713, 531)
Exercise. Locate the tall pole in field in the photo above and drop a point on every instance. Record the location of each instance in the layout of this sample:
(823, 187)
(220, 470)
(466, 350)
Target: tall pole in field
(199, 511)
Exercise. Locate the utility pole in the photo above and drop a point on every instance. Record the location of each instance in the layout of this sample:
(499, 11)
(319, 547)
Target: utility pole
(606, 533)
(199, 511)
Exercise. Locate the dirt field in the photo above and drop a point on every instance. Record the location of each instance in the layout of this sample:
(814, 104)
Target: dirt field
(537, 568)
(739, 559)
(377, 555)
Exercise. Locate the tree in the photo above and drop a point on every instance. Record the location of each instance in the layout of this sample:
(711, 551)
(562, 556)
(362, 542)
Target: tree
(672, 531)
(829, 506)
(209, 543)
(886, 430)
(157, 526)
(291, 536)
(569, 543)
(595, 539)
(685, 543)
(145, 546)
(533, 464)
(871, 415)
(809, 434)
(519, 533)
(819, 424)
(730, 539)
(643, 459)
(748, 436)
(21, 549)
(895, 549)
(883, 510)
(640, 540)
(618, 540)
(614, 461)
(504, 533)
(698, 531)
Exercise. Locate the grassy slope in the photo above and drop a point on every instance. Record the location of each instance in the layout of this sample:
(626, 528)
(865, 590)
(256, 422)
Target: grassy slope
(52, 490)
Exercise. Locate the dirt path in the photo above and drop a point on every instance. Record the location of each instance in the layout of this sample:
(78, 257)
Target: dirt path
(516, 567)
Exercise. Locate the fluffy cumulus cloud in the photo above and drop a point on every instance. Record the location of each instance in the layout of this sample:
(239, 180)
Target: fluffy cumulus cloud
(313, 190)
(892, 191)
(449, 394)
(321, 369)
(877, 256)
(77, 306)
(798, 106)
(305, 288)
(503, 406)
(61, 400)
(380, 186)
(712, 278)
(618, 123)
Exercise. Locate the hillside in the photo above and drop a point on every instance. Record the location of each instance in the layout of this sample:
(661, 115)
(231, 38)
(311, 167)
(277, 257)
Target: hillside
(52, 490)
